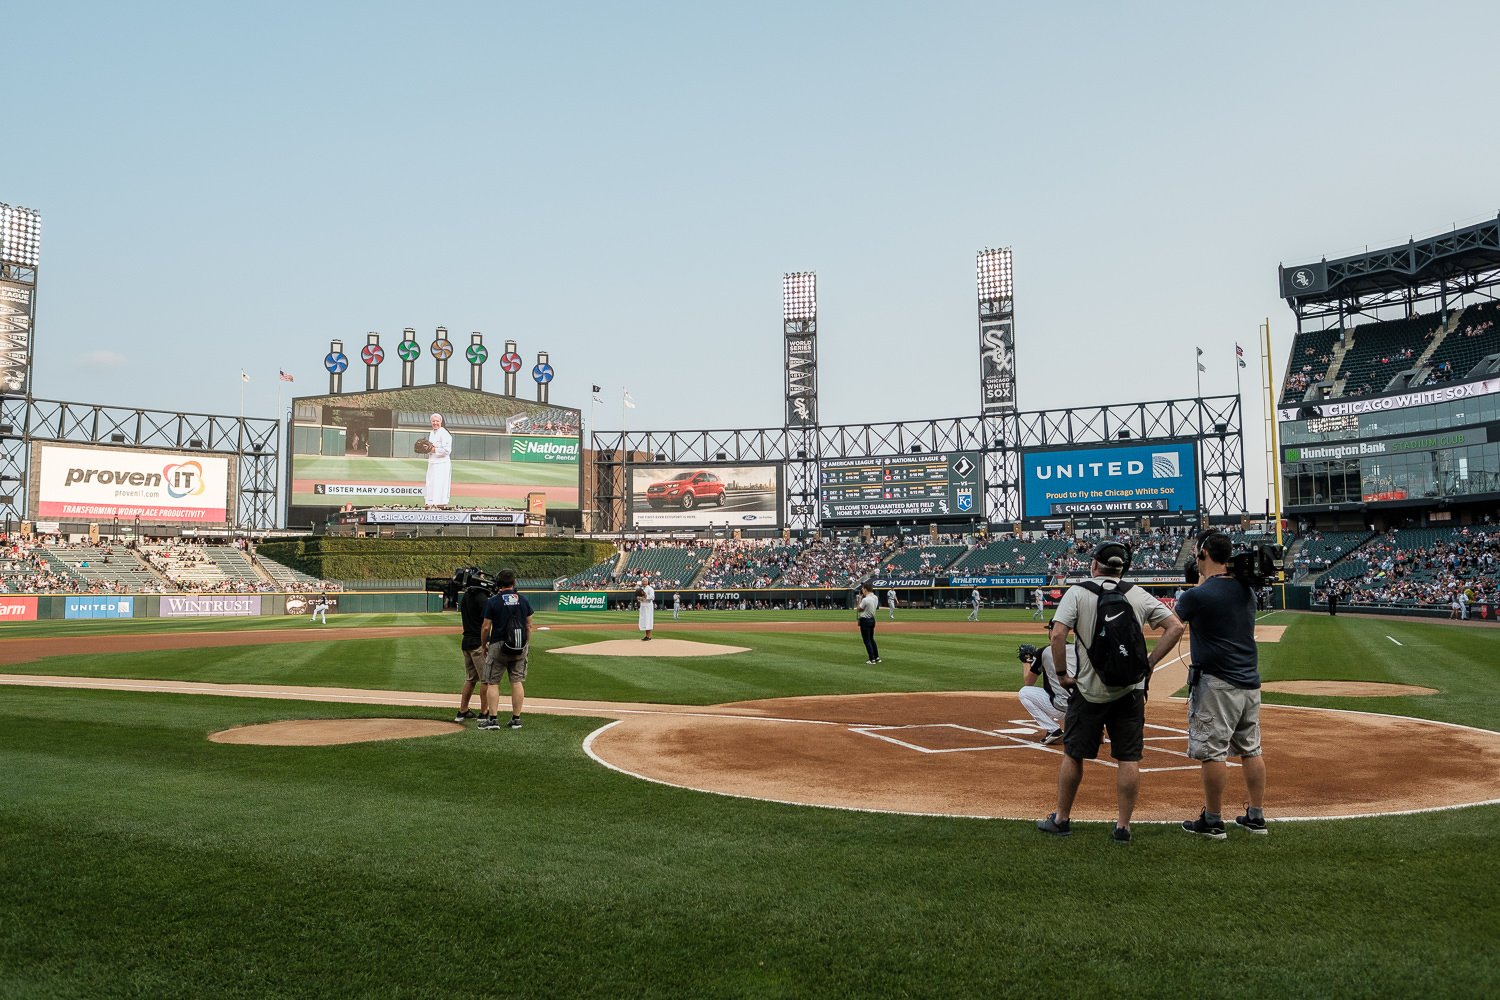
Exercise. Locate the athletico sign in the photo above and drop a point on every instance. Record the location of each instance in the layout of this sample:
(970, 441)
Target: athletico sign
(570, 601)
(99, 483)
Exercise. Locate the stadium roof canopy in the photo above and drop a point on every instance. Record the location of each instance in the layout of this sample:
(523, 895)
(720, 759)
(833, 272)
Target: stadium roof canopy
(1440, 267)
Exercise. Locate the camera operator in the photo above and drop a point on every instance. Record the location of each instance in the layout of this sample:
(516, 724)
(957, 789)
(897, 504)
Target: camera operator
(471, 601)
(1224, 681)
(1047, 704)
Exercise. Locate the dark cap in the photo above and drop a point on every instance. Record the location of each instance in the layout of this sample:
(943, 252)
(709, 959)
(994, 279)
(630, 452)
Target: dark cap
(1112, 554)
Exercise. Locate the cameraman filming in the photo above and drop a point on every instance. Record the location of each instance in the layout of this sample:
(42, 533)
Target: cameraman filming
(1224, 681)
(471, 601)
(1047, 704)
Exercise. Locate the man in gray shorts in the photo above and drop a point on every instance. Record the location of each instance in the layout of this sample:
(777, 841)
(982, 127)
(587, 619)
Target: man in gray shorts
(506, 640)
(1224, 698)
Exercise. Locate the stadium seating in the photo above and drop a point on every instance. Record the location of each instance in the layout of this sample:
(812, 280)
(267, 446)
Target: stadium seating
(664, 565)
(1311, 356)
(1475, 336)
(601, 574)
(747, 563)
(1418, 567)
(919, 561)
(1317, 551)
(1012, 555)
(289, 579)
(1378, 352)
(107, 568)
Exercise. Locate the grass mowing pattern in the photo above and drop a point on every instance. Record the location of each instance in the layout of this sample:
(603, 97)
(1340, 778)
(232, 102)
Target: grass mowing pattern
(141, 860)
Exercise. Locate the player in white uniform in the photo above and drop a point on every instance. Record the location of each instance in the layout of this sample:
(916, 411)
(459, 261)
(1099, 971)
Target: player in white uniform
(320, 610)
(646, 594)
(1040, 600)
(1047, 703)
(890, 602)
(676, 606)
(974, 601)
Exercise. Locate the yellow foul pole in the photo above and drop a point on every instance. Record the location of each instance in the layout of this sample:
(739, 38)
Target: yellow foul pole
(1273, 453)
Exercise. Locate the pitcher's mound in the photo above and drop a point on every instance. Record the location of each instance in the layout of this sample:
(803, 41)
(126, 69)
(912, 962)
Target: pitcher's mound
(656, 647)
(1347, 689)
(329, 732)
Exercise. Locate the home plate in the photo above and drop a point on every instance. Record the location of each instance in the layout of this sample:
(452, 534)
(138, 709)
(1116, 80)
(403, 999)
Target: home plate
(656, 647)
(1028, 731)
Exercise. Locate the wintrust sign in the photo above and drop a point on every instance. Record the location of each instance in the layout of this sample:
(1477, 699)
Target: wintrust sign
(95, 483)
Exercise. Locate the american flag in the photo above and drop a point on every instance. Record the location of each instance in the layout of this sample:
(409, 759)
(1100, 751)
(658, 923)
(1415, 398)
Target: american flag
(285, 376)
(1239, 352)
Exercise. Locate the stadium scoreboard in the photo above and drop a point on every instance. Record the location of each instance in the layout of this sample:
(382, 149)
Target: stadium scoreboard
(934, 486)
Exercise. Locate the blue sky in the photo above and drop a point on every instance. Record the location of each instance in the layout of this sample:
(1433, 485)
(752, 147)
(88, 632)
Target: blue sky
(623, 187)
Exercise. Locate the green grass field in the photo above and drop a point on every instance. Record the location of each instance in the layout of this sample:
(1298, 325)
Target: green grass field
(142, 860)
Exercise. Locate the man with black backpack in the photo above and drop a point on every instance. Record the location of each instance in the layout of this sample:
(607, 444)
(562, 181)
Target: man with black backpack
(1109, 691)
(505, 639)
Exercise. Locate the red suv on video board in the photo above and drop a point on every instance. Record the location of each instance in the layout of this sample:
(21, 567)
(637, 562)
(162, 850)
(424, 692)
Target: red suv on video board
(686, 490)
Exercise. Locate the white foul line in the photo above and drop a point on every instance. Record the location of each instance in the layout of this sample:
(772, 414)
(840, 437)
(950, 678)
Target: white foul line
(1393, 640)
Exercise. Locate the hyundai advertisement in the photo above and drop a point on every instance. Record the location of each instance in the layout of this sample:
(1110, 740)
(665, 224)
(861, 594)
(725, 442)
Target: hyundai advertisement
(702, 496)
(1112, 479)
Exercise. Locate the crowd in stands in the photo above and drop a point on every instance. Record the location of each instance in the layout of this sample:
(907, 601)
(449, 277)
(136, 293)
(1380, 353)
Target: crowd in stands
(839, 562)
(755, 563)
(26, 568)
(1420, 567)
(553, 422)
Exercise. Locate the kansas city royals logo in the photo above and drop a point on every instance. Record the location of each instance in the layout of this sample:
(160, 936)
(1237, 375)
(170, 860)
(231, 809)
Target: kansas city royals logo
(965, 501)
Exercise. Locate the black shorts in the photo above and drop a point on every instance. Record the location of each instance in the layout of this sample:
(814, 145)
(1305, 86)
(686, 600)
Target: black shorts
(1125, 718)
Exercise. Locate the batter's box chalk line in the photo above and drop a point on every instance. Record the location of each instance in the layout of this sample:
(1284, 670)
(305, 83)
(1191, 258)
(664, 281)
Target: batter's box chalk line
(985, 739)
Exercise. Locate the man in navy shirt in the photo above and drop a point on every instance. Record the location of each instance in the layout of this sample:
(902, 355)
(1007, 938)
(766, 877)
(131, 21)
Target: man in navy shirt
(1224, 698)
(506, 640)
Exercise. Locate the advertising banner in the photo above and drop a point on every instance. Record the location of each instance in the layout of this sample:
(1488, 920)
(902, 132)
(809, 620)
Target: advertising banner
(801, 381)
(210, 605)
(117, 483)
(17, 609)
(577, 601)
(1400, 401)
(407, 515)
(997, 365)
(997, 581)
(303, 604)
(1113, 479)
(938, 485)
(15, 336)
(537, 449)
(1387, 446)
(912, 581)
(100, 606)
(694, 496)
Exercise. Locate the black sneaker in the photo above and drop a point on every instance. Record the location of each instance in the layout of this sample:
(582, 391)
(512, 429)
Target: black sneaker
(489, 722)
(1052, 826)
(1053, 737)
(1120, 835)
(1253, 825)
(461, 716)
(515, 722)
(1203, 828)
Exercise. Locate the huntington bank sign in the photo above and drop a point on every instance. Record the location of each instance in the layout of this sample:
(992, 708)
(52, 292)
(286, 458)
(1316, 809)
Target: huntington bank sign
(1125, 479)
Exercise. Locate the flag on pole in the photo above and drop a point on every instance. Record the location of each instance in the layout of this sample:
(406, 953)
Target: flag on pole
(1239, 353)
(285, 376)
(598, 389)
(1201, 368)
(1200, 352)
(629, 403)
(244, 377)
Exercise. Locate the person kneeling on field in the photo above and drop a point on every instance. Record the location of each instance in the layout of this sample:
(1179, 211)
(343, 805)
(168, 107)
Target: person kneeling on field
(1048, 702)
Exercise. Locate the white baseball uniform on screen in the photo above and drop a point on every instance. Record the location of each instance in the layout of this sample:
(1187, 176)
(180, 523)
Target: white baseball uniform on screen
(439, 465)
(648, 608)
(1049, 710)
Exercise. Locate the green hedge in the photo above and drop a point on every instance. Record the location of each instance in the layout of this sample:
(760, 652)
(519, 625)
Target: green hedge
(388, 558)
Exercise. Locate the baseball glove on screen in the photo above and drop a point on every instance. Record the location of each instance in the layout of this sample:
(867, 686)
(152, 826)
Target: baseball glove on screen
(423, 446)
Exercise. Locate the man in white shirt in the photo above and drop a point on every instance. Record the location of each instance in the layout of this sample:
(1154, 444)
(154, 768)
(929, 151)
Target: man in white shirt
(890, 602)
(439, 465)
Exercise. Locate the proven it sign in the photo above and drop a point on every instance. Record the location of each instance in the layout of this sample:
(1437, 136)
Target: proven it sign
(91, 484)
(581, 602)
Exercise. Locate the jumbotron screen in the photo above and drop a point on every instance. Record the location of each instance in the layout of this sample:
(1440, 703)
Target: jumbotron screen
(933, 486)
(360, 449)
(1111, 479)
(88, 483)
(703, 496)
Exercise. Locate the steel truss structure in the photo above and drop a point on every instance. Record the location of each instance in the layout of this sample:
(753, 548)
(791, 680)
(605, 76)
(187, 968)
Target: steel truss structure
(1215, 422)
(254, 441)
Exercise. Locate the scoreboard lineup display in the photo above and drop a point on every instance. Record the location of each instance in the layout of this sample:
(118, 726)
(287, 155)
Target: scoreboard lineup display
(943, 485)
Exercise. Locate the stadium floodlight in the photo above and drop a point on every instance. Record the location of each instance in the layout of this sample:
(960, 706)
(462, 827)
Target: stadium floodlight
(20, 235)
(994, 273)
(799, 296)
